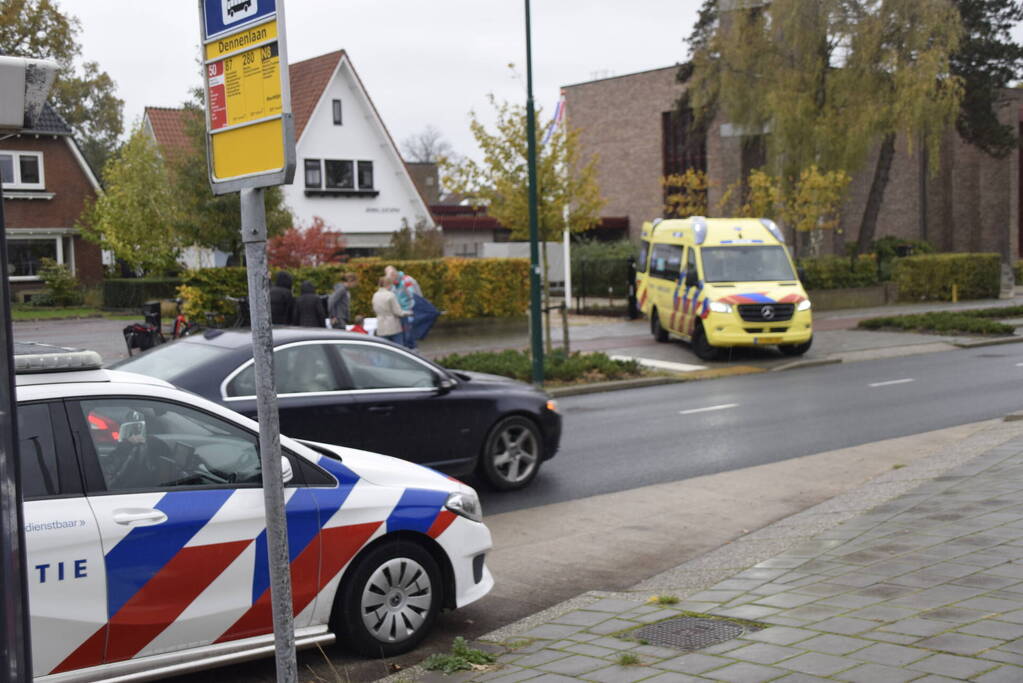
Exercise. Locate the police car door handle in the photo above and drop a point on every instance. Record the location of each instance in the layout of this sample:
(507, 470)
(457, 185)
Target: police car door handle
(139, 517)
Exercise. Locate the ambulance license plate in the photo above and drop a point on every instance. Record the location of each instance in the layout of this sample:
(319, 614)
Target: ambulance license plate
(766, 340)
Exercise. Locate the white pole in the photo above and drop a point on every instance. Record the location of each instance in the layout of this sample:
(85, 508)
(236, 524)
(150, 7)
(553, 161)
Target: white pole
(568, 265)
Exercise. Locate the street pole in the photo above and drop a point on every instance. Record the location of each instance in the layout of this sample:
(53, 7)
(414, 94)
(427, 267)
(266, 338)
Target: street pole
(15, 643)
(535, 327)
(254, 238)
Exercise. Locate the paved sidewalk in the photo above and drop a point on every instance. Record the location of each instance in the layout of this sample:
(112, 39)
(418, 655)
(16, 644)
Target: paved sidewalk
(916, 576)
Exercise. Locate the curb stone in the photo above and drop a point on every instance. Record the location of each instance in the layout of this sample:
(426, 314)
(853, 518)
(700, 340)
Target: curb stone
(796, 364)
(972, 344)
(640, 382)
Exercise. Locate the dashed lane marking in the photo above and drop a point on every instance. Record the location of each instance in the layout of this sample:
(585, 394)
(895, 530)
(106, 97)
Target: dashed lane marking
(723, 406)
(891, 382)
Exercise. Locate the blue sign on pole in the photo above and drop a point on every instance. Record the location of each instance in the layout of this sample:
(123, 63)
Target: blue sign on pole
(224, 16)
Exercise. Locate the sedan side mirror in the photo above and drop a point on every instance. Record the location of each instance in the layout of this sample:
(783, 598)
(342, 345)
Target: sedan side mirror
(444, 384)
(287, 474)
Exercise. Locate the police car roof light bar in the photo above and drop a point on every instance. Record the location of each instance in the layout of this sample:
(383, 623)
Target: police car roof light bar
(33, 358)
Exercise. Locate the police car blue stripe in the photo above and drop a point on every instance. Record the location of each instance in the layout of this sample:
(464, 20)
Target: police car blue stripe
(416, 510)
(145, 550)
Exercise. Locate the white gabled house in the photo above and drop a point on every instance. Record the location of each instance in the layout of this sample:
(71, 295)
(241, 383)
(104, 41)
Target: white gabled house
(349, 171)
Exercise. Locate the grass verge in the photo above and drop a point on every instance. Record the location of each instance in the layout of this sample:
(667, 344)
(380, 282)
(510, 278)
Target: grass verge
(982, 321)
(25, 312)
(559, 368)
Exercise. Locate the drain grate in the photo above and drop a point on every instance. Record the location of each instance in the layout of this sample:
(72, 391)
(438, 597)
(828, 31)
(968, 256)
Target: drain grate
(690, 633)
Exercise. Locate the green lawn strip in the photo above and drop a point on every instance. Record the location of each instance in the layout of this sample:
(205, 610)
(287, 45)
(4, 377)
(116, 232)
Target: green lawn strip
(559, 368)
(976, 321)
(22, 312)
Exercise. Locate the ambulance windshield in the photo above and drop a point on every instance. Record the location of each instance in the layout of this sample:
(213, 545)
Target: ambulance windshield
(746, 264)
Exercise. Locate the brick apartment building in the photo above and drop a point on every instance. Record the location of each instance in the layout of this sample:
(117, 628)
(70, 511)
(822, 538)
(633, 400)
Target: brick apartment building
(628, 122)
(46, 183)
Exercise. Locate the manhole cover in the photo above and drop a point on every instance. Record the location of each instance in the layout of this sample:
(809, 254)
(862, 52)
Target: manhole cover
(690, 633)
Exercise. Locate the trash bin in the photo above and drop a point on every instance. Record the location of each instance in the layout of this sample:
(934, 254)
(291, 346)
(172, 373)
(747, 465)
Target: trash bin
(151, 312)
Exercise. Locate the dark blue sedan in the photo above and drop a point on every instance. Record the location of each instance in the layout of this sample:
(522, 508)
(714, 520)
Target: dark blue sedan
(364, 392)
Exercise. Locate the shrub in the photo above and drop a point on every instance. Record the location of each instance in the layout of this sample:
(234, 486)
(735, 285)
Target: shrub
(837, 272)
(940, 322)
(596, 266)
(133, 292)
(558, 366)
(62, 288)
(930, 277)
(461, 288)
(1017, 271)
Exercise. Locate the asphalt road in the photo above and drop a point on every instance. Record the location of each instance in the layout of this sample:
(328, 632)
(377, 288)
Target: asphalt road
(626, 439)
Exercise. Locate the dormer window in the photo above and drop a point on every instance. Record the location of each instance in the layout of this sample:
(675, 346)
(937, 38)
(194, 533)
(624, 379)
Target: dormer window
(22, 170)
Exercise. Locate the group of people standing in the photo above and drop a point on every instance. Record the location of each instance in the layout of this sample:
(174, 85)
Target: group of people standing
(394, 304)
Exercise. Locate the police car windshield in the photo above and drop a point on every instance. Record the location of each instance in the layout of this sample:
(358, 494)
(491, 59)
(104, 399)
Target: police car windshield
(746, 264)
(170, 361)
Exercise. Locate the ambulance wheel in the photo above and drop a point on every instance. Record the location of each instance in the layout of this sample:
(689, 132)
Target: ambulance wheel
(660, 334)
(796, 349)
(389, 600)
(701, 347)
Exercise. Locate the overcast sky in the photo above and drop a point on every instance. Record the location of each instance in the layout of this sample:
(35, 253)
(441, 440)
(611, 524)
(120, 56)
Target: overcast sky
(422, 62)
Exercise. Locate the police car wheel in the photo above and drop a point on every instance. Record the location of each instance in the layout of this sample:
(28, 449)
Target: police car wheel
(389, 600)
(660, 334)
(512, 454)
(701, 346)
(796, 349)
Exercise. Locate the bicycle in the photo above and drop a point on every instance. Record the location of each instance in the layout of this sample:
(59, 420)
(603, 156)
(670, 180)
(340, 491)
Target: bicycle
(183, 327)
(217, 320)
(145, 335)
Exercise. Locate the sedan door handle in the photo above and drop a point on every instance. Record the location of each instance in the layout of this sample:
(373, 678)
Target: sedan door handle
(139, 517)
(381, 409)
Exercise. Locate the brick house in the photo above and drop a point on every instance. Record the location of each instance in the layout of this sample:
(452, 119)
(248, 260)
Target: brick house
(629, 123)
(46, 184)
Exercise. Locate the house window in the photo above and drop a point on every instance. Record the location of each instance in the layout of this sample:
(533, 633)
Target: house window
(25, 256)
(339, 174)
(683, 142)
(365, 175)
(22, 170)
(337, 112)
(312, 173)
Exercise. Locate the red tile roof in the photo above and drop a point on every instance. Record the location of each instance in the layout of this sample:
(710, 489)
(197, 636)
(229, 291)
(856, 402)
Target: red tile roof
(308, 81)
(169, 128)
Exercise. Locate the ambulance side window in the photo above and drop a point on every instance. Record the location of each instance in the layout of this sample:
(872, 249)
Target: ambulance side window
(644, 252)
(665, 261)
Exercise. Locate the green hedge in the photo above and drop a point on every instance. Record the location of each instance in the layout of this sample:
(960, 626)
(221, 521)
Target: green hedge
(133, 292)
(930, 277)
(557, 366)
(461, 288)
(1017, 271)
(840, 272)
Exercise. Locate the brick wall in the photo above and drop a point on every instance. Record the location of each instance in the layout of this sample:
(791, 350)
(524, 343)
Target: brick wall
(619, 122)
(972, 203)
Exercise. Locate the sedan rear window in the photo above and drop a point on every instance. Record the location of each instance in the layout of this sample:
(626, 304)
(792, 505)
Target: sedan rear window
(171, 361)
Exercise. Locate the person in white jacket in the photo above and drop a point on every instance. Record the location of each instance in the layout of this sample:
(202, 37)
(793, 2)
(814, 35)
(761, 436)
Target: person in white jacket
(388, 312)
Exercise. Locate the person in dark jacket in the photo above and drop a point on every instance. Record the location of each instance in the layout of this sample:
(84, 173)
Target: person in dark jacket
(282, 301)
(309, 309)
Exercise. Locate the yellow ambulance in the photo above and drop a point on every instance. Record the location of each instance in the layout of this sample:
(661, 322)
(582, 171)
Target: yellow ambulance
(722, 282)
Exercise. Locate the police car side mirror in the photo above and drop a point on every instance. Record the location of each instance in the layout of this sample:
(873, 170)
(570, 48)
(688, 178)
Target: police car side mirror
(287, 474)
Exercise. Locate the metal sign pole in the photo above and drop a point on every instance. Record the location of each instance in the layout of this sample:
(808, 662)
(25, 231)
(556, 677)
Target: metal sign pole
(254, 238)
(535, 336)
(15, 643)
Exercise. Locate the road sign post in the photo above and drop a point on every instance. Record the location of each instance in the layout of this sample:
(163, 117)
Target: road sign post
(250, 144)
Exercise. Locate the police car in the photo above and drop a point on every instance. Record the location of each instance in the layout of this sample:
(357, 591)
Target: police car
(146, 539)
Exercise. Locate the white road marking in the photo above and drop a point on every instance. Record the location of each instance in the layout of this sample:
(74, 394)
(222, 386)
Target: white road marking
(662, 364)
(891, 382)
(723, 406)
(1019, 365)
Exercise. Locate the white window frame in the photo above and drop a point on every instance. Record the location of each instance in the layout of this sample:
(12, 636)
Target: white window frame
(17, 184)
(59, 239)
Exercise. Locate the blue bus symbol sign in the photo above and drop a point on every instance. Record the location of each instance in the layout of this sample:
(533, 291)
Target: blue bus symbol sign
(228, 16)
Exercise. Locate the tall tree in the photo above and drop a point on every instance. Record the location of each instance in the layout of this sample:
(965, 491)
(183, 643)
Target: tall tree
(831, 80)
(987, 61)
(566, 183)
(205, 219)
(83, 94)
(135, 217)
(428, 145)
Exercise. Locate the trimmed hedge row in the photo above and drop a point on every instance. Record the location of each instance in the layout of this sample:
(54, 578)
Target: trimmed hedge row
(930, 277)
(461, 288)
(557, 366)
(133, 292)
(839, 272)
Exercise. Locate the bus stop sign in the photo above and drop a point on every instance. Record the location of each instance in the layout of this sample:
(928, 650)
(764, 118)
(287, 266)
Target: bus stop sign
(250, 135)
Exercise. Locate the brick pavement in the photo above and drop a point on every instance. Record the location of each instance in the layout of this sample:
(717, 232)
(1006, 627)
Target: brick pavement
(926, 586)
